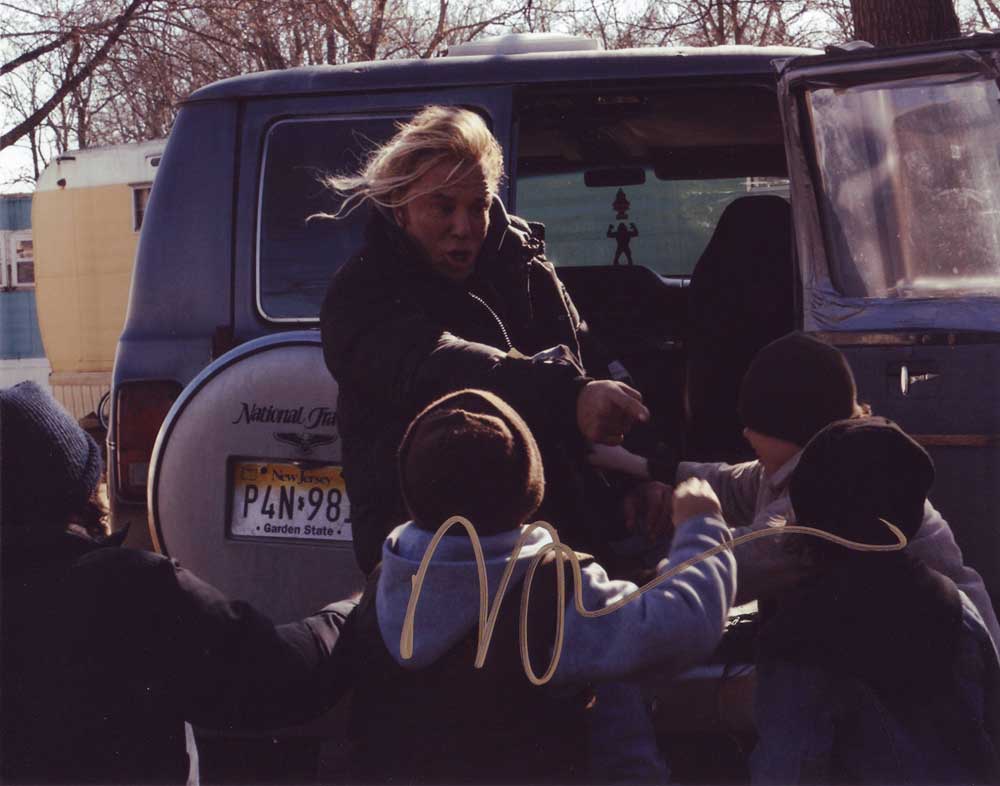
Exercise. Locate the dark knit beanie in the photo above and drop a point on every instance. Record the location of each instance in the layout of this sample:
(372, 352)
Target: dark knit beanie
(794, 387)
(470, 454)
(50, 466)
(855, 472)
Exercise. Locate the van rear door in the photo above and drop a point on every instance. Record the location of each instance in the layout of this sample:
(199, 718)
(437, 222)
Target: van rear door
(894, 159)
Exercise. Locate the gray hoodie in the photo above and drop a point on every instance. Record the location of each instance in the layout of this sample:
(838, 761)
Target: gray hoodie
(672, 626)
(751, 499)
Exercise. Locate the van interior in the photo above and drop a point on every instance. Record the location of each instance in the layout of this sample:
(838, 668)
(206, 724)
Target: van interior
(668, 217)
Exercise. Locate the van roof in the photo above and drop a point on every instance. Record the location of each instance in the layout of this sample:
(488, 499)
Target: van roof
(562, 66)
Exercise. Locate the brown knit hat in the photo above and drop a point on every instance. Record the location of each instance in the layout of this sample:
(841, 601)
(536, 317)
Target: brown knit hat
(470, 454)
(795, 386)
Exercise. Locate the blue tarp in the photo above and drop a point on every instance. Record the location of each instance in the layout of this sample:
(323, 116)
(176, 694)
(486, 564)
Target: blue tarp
(19, 335)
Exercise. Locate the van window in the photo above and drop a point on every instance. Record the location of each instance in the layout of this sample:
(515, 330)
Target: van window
(910, 172)
(643, 177)
(669, 222)
(296, 257)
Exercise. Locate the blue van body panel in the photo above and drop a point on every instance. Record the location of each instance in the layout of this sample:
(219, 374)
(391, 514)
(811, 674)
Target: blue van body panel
(188, 221)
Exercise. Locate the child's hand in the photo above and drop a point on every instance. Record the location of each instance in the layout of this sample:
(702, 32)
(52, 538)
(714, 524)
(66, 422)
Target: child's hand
(648, 505)
(694, 498)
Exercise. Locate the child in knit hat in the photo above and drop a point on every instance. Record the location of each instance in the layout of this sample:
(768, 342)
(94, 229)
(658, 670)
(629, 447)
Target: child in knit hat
(796, 386)
(874, 668)
(429, 716)
(107, 651)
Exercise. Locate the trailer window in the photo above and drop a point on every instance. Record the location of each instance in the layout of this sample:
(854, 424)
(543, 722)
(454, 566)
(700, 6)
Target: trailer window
(140, 198)
(23, 267)
(296, 257)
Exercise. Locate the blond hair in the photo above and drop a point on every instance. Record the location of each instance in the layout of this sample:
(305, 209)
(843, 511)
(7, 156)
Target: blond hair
(437, 134)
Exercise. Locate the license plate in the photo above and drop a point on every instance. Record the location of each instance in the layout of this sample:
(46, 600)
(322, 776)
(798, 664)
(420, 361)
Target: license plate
(289, 500)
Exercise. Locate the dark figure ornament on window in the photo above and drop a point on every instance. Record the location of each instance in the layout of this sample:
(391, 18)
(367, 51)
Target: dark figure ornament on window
(622, 235)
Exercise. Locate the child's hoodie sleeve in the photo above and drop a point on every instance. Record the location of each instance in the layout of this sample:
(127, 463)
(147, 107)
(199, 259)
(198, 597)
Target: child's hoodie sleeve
(935, 545)
(737, 486)
(766, 567)
(672, 626)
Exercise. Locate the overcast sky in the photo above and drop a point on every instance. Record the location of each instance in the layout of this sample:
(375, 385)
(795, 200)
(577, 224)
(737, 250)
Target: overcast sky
(15, 160)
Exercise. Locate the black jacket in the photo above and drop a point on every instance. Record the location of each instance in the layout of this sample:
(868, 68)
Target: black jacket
(396, 336)
(107, 651)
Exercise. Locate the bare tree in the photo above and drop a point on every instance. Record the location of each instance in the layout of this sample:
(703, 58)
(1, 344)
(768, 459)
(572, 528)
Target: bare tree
(696, 22)
(839, 18)
(895, 22)
(82, 72)
(116, 69)
(978, 14)
(759, 22)
(79, 66)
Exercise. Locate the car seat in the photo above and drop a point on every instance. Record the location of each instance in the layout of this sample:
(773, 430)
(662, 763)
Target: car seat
(741, 297)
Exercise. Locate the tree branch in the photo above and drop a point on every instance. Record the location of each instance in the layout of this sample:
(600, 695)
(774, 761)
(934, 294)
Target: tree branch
(38, 52)
(10, 137)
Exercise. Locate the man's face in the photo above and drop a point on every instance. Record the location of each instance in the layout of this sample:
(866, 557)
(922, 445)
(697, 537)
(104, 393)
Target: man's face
(448, 222)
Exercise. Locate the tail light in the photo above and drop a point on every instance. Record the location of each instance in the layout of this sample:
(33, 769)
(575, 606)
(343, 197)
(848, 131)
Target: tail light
(140, 411)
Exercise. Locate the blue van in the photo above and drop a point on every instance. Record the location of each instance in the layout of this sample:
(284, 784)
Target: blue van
(852, 194)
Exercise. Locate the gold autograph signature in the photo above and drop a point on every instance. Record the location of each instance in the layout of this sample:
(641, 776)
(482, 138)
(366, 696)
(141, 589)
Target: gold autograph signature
(488, 615)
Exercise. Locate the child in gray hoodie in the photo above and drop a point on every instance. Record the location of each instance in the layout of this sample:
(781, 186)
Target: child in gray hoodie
(429, 715)
(795, 387)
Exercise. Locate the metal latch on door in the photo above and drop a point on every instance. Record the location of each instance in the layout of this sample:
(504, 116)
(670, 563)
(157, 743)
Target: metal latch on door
(906, 379)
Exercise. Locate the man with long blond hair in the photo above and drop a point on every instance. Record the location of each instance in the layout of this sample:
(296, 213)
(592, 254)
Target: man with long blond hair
(449, 292)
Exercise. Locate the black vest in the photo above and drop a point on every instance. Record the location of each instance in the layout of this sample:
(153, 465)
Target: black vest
(453, 723)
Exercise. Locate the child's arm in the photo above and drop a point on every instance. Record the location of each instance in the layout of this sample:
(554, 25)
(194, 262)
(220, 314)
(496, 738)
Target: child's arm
(737, 486)
(935, 545)
(765, 566)
(671, 626)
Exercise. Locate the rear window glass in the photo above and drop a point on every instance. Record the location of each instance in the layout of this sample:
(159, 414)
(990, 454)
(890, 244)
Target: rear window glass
(642, 178)
(296, 257)
(667, 224)
(910, 172)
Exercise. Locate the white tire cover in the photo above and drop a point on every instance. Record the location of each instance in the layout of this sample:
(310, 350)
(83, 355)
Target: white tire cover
(271, 400)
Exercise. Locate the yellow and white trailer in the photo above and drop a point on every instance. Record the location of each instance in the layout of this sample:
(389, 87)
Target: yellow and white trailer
(86, 215)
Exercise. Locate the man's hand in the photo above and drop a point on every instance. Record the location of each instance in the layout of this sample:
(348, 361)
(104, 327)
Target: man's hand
(606, 410)
(648, 505)
(694, 498)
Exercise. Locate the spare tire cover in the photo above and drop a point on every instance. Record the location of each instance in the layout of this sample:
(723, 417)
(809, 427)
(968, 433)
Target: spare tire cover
(245, 484)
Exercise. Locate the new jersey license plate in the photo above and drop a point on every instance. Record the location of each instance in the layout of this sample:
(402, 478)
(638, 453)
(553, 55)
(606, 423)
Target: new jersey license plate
(289, 500)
